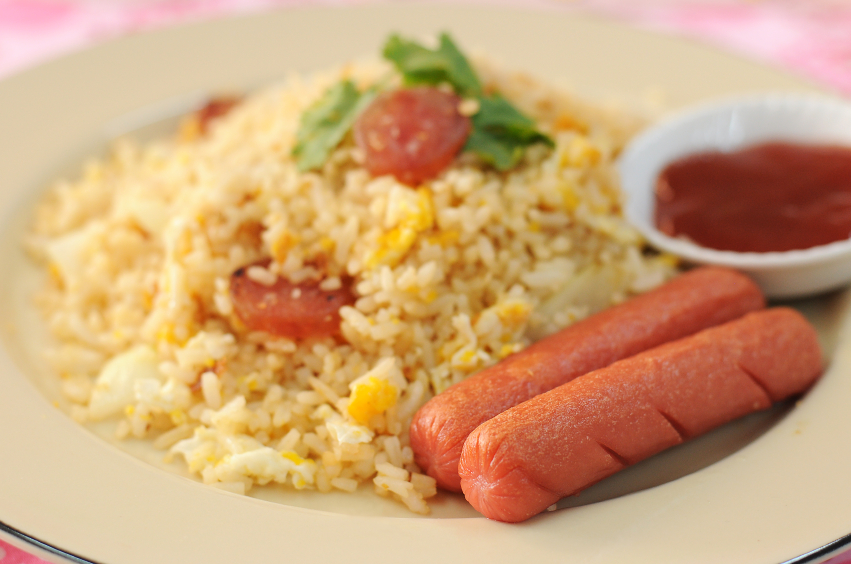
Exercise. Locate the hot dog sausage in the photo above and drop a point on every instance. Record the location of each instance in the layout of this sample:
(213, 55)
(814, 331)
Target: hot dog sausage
(695, 300)
(558, 443)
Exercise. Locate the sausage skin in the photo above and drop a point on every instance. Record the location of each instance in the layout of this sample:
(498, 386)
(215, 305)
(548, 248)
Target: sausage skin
(693, 301)
(560, 442)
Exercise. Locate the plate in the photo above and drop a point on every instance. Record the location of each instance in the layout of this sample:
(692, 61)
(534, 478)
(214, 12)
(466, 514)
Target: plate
(780, 494)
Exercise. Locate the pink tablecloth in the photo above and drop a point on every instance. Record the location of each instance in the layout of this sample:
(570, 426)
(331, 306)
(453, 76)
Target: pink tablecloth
(812, 37)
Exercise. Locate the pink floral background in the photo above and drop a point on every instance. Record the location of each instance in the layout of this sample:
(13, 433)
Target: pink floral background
(811, 37)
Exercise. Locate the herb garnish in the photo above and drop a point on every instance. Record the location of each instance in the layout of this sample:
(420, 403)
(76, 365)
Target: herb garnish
(420, 65)
(500, 132)
(325, 123)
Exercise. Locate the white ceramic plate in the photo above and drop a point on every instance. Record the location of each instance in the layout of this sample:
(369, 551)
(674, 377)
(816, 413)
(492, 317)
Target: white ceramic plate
(772, 488)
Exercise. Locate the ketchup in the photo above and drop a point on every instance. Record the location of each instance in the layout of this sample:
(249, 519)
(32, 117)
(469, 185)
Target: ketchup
(769, 197)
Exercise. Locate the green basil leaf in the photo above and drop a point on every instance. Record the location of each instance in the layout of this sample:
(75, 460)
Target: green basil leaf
(501, 133)
(327, 122)
(420, 65)
(496, 111)
(501, 152)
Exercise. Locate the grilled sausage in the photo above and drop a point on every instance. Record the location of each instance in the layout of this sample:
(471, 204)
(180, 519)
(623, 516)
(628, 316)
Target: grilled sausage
(695, 300)
(558, 443)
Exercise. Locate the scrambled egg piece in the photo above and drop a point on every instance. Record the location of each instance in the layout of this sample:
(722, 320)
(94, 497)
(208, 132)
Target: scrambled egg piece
(69, 254)
(513, 312)
(344, 432)
(115, 387)
(371, 397)
(348, 434)
(412, 213)
(580, 153)
(233, 457)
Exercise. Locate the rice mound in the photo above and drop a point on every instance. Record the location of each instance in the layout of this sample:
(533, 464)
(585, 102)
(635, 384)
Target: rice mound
(451, 276)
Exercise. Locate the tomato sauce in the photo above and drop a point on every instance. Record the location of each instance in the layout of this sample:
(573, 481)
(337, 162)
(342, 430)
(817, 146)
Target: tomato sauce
(769, 197)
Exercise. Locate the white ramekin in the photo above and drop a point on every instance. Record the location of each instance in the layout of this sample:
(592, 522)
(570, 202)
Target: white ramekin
(729, 125)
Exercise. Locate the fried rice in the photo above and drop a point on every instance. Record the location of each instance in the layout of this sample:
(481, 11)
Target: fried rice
(450, 277)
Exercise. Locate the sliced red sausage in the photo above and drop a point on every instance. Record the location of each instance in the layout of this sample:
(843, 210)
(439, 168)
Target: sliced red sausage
(412, 133)
(214, 109)
(558, 443)
(284, 309)
(695, 300)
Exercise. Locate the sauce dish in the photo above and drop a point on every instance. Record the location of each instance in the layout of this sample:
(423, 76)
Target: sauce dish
(729, 125)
